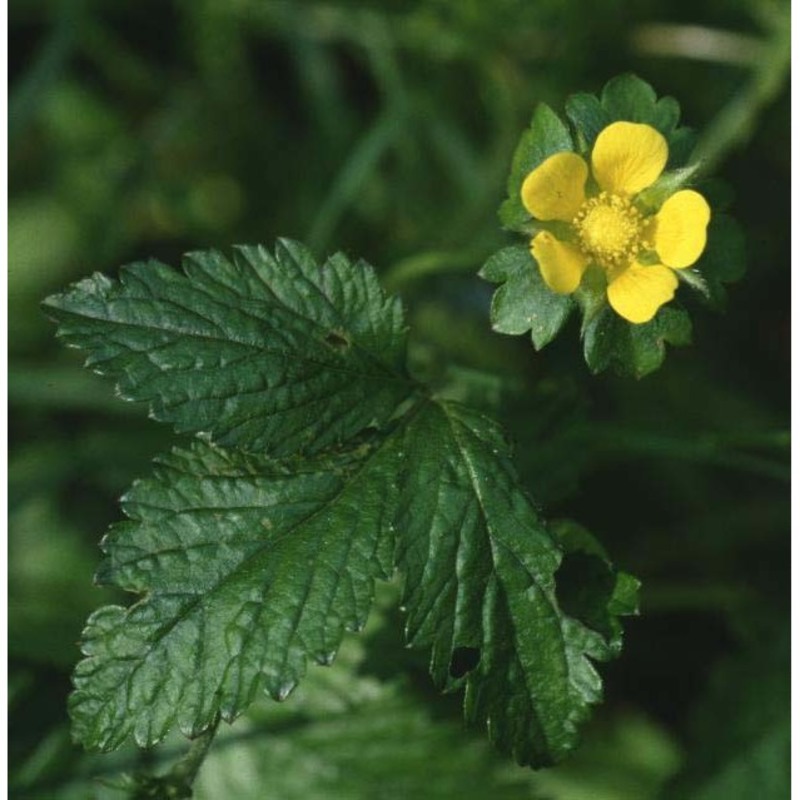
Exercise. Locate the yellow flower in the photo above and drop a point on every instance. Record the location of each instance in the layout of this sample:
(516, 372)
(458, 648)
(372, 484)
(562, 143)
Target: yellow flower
(637, 252)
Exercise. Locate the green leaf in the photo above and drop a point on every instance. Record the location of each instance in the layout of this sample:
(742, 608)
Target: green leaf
(266, 352)
(589, 588)
(546, 135)
(480, 568)
(633, 350)
(350, 734)
(629, 98)
(723, 260)
(588, 117)
(248, 566)
(524, 303)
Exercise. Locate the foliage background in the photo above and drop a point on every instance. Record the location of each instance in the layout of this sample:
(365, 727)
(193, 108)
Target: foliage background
(385, 129)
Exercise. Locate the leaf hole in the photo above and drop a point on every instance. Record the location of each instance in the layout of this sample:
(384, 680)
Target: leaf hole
(337, 340)
(584, 586)
(464, 659)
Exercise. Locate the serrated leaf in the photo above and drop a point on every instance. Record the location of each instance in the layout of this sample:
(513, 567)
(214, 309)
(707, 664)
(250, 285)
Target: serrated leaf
(249, 566)
(546, 135)
(524, 303)
(354, 733)
(628, 97)
(589, 588)
(635, 350)
(264, 351)
(480, 569)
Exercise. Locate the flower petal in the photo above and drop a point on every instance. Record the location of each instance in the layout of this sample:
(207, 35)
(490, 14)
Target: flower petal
(562, 265)
(628, 157)
(679, 233)
(554, 190)
(638, 292)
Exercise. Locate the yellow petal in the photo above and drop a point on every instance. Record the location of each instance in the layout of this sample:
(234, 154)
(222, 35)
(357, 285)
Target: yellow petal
(679, 233)
(638, 292)
(562, 265)
(554, 190)
(628, 157)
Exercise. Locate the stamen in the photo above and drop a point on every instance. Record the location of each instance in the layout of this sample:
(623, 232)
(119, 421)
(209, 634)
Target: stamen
(610, 230)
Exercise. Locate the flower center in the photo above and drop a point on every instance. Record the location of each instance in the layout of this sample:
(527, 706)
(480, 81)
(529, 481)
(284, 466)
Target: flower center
(609, 229)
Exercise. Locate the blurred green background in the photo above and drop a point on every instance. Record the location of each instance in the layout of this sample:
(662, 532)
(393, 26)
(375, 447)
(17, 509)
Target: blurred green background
(385, 129)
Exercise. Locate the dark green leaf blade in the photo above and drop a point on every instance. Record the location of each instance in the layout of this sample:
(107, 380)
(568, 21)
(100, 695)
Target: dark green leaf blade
(524, 303)
(546, 135)
(588, 117)
(480, 569)
(263, 351)
(609, 341)
(627, 97)
(249, 566)
(723, 260)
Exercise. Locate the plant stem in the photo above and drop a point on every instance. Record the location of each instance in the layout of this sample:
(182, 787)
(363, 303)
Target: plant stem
(185, 771)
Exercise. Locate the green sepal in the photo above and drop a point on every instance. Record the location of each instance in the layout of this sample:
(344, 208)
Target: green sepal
(652, 198)
(546, 135)
(523, 302)
(632, 350)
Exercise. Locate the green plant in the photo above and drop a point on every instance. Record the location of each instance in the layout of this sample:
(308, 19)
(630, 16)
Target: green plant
(321, 462)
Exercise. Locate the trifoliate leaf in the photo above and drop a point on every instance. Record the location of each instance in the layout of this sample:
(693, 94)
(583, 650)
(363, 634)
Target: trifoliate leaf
(480, 569)
(635, 350)
(546, 135)
(524, 303)
(248, 567)
(266, 352)
(248, 564)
